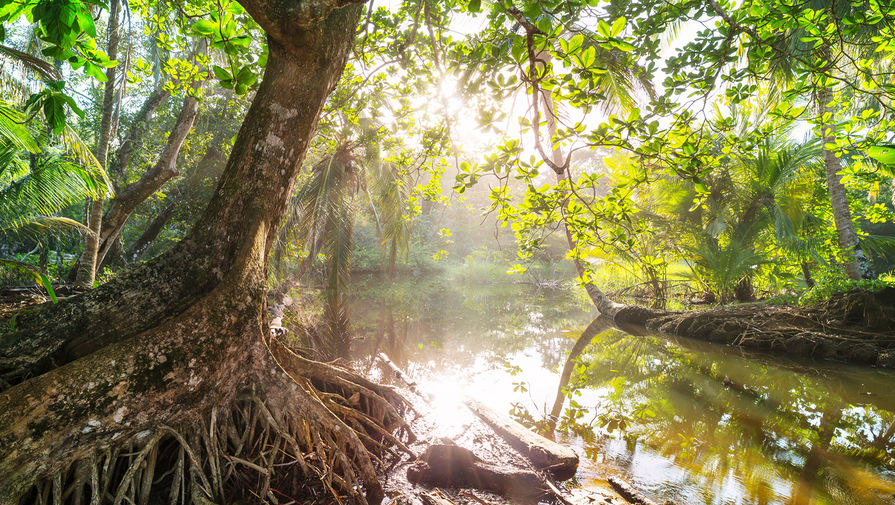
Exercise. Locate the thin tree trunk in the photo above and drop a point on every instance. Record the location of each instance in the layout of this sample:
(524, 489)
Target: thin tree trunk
(44, 258)
(392, 257)
(150, 233)
(123, 156)
(857, 265)
(86, 270)
(806, 272)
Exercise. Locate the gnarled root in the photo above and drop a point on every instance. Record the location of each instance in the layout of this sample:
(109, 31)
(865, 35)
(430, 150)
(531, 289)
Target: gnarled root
(298, 431)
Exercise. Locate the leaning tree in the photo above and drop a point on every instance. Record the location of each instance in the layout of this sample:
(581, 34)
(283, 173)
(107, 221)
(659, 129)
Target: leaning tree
(166, 378)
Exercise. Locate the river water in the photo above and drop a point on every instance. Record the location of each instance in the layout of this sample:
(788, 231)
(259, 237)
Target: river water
(678, 419)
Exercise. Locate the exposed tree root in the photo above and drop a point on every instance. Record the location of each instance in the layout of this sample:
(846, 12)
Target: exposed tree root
(857, 326)
(324, 441)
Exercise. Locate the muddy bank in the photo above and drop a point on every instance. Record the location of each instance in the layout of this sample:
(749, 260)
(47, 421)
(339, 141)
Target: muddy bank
(857, 326)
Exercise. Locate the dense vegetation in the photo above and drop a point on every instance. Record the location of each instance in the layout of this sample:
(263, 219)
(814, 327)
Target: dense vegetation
(178, 167)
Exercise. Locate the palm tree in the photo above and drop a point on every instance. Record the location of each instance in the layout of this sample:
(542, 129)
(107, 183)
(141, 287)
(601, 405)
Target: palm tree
(41, 173)
(758, 206)
(321, 219)
(795, 46)
(39, 180)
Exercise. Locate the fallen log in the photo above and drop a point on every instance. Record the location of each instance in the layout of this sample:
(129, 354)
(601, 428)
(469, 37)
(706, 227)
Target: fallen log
(435, 497)
(397, 372)
(456, 467)
(559, 461)
(630, 494)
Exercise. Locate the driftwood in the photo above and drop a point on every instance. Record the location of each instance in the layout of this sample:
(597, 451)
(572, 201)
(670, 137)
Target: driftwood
(454, 466)
(410, 383)
(558, 460)
(435, 497)
(629, 493)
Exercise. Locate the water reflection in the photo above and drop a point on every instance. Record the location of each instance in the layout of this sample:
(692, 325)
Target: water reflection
(680, 419)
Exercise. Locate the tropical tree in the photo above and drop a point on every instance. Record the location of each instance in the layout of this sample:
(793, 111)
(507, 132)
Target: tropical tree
(198, 311)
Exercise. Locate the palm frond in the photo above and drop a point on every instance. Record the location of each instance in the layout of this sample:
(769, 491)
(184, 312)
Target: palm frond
(39, 277)
(392, 186)
(879, 245)
(41, 67)
(79, 150)
(13, 129)
(44, 191)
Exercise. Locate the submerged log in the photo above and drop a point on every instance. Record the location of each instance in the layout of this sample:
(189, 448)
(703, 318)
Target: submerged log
(454, 466)
(558, 460)
(630, 494)
(435, 497)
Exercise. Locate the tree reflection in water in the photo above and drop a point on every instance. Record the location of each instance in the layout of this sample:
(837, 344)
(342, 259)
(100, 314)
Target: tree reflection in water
(784, 432)
(681, 419)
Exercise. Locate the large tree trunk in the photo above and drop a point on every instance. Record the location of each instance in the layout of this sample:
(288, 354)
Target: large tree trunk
(86, 268)
(162, 350)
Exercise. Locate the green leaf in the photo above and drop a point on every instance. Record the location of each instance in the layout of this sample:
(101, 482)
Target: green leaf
(575, 43)
(475, 5)
(617, 26)
(246, 77)
(588, 57)
(205, 27)
(622, 45)
(49, 287)
(882, 154)
(221, 73)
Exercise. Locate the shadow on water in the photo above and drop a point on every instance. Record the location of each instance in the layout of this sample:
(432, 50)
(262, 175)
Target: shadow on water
(680, 419)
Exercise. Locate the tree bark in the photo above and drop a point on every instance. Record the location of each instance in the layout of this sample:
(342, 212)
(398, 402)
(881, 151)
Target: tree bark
(159, 345)
(152, 180)
(86, 270)
(857, 265)
(134, 136)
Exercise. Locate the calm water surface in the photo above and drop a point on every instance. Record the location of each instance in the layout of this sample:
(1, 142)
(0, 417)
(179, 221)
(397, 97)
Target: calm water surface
(679, 419)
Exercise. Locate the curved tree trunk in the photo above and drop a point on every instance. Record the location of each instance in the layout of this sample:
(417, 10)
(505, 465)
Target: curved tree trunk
(152, 180)
(603, 303)
(160, 347)
(123, 156)
(595, 327)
